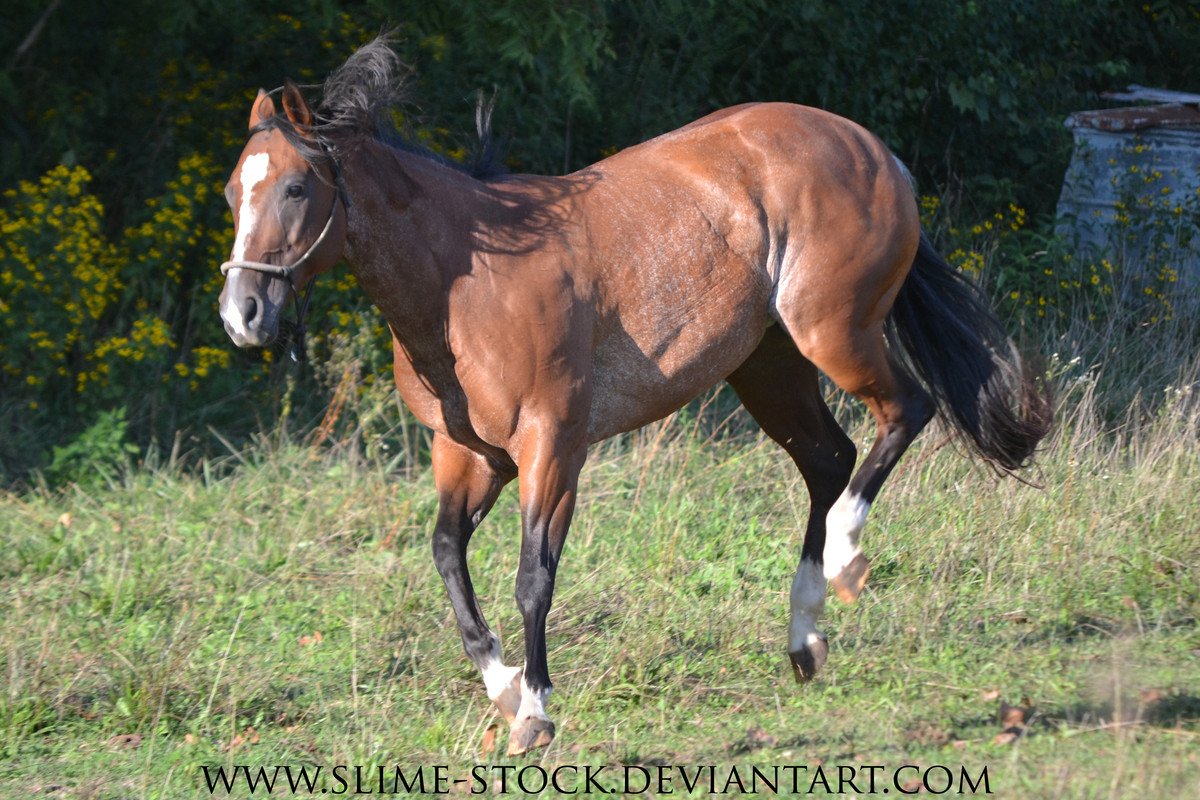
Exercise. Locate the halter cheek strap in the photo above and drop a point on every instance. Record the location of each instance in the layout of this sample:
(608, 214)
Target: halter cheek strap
(288, 273)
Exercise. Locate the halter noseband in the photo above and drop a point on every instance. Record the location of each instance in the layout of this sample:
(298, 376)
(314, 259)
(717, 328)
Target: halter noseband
(288, 273)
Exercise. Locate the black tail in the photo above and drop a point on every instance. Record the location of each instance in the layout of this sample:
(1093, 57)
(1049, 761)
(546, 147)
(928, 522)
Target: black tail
(959, 350)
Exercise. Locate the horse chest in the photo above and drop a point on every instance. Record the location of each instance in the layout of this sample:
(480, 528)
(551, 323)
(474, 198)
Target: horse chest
(436, 396)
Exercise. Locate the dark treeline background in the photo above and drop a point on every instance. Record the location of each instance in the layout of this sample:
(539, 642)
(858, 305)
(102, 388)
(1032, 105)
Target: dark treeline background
(972, 95)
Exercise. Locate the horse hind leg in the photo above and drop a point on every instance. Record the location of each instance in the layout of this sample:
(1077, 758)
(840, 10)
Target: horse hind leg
(779, 387)
(857, 360)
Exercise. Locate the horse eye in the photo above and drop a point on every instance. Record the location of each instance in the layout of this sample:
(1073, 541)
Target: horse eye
(295, 190)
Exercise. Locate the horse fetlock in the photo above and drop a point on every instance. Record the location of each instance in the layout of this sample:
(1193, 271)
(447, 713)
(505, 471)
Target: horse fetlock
(845, 565)
(508, 701)
(504, 688)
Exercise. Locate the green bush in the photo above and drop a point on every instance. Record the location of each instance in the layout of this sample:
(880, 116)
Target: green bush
(108, 298)
(101, 452)
(59, 279)
(90, 324)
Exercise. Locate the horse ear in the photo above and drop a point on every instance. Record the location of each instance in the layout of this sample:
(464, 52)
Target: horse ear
(263, 108)
(294, 106)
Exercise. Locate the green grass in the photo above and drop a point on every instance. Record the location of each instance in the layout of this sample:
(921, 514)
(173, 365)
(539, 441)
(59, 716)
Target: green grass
(282, 608)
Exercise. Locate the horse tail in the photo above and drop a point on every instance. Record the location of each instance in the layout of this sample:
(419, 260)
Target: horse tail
(955, 345)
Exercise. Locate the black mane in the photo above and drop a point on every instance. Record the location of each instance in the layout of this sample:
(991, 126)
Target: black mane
(356, 107)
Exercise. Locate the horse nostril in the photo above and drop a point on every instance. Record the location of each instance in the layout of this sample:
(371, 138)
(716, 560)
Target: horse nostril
(249, 311)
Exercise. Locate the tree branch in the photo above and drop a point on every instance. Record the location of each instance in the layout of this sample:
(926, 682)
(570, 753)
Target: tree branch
(31, 39)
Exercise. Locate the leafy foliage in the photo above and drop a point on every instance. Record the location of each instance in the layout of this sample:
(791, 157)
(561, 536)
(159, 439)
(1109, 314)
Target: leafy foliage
(100, 452)
(112, 165)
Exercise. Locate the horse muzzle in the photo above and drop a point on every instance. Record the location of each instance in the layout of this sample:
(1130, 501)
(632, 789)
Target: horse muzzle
(251, 317)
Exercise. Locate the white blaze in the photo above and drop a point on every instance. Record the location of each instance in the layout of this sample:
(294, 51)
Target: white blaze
(254, 172)
(233, 315)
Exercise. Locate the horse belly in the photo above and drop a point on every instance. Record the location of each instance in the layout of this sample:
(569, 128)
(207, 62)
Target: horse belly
(639, 376)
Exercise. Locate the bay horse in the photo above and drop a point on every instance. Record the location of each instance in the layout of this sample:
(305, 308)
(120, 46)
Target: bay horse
(532, 316)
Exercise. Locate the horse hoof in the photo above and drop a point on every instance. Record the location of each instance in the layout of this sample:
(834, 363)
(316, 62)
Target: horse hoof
(850, 581)
(529, 735)
(810, 658)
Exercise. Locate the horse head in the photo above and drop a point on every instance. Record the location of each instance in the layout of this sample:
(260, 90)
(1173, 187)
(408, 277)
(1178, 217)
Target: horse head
(285, 194)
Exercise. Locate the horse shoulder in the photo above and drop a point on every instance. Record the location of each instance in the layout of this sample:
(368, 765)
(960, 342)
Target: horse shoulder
(521, 334)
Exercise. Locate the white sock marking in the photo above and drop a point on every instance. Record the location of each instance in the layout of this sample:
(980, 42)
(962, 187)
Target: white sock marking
(496, 676)
(533, 703)
(808, 603)
(842, 528)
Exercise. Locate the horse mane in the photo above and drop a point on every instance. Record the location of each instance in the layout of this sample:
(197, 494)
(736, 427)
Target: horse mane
(356, 107)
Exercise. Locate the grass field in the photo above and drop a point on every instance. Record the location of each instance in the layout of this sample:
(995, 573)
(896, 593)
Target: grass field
(280, 607)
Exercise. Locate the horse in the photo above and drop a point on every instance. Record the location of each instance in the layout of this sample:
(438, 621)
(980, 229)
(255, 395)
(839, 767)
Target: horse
(532, 316)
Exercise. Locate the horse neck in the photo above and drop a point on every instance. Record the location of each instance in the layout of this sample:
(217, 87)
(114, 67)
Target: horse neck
(408, 232)
(416, 226)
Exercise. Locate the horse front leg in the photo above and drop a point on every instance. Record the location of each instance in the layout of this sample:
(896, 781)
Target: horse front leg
(468, 484)
(549, 477)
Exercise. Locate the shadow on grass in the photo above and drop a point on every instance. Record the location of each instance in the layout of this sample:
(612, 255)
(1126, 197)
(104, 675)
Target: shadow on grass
(1175, 711)
(1147, 708)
